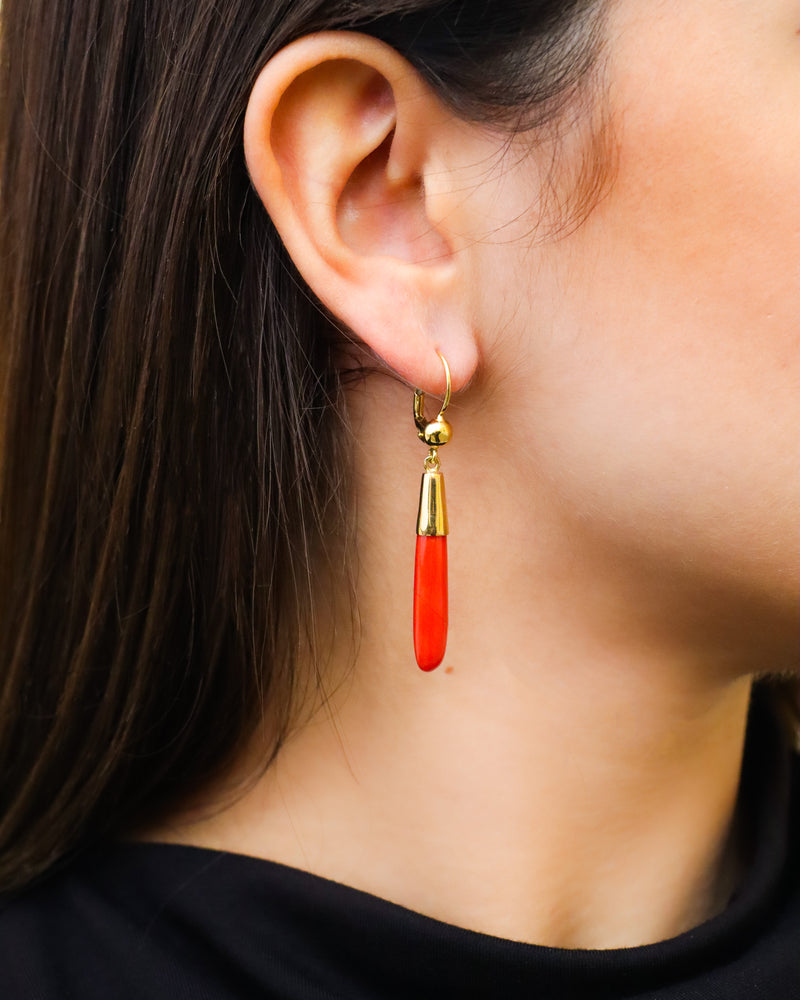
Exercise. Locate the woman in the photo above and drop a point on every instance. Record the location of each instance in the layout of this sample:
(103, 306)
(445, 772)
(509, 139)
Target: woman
(236, 237)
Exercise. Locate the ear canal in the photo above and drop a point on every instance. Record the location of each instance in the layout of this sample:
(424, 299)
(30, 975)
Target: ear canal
(378, 216)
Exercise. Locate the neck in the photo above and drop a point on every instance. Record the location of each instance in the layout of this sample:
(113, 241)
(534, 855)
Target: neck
(567, 777)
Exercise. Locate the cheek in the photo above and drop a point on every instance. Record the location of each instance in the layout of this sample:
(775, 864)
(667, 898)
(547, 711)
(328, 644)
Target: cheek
(705, 215)
(705, 224)
(706, 209)
(672, 411)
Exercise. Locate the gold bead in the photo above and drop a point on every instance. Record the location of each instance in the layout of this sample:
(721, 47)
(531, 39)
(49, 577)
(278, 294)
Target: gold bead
(437, 433)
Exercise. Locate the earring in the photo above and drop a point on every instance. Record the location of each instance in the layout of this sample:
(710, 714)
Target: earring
(430, 563)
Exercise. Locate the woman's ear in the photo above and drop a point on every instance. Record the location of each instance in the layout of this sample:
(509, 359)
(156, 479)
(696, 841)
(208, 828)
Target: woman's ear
(348, 150)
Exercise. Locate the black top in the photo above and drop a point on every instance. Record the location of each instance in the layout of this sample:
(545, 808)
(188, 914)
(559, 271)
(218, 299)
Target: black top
(183, 923)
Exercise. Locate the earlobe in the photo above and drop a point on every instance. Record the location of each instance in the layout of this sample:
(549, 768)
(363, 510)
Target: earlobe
(339, 133)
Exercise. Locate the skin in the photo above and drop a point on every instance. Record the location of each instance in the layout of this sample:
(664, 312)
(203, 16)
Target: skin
(622, 481)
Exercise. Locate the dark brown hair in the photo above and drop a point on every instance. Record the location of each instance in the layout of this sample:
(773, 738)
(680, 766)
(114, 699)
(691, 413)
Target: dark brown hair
(173, 456)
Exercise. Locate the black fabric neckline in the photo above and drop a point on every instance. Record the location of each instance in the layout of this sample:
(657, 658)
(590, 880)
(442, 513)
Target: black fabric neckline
(356, 930)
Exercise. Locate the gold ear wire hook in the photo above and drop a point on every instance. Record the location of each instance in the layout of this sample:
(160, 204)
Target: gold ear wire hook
(436, 432)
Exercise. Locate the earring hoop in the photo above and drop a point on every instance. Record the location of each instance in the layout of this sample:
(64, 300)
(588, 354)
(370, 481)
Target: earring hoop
(419, 402)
